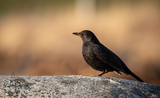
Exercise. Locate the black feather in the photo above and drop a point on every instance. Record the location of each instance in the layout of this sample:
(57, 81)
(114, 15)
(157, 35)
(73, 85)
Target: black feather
(100, 57)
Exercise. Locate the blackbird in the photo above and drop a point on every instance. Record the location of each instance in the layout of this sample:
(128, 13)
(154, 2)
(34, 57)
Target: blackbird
(100, 57)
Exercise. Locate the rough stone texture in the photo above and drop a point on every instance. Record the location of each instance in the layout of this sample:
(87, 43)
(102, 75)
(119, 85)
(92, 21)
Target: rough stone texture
(74, 87)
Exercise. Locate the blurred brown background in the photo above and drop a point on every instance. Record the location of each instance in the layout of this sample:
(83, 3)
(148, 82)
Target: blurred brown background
(36, 36)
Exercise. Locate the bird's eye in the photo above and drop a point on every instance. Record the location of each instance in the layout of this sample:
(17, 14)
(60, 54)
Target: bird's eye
(84, 34)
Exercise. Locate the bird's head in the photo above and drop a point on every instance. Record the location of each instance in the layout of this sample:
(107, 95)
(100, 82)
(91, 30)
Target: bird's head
(87, 36)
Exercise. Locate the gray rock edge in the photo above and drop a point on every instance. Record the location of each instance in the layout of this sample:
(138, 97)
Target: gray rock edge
(74, 86)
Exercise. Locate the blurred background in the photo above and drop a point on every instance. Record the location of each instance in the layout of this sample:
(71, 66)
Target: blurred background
(36, 36)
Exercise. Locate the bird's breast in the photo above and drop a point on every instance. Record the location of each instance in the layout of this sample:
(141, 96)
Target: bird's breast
(91, 59)
(88, 54)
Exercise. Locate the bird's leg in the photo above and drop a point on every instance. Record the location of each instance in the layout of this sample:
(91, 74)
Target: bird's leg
(103, 73)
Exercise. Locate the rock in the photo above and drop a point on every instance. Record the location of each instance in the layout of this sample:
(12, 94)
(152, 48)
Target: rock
(74, 86)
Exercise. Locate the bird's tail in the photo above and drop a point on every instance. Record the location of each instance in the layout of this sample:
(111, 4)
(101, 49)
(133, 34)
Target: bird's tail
(136, 77)
(127, 71)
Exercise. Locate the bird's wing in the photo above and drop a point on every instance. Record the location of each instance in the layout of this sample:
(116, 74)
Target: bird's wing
(108, 57)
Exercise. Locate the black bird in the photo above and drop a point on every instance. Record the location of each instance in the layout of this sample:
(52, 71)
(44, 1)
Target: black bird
(100, 57)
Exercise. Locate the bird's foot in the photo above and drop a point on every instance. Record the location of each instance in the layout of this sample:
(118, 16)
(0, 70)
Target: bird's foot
(101, 74)
(105, 71)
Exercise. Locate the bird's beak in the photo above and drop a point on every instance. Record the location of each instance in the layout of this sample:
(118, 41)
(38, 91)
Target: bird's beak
(77, 34)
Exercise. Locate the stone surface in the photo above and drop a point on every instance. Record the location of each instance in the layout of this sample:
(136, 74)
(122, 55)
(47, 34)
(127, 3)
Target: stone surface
(74, 86)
